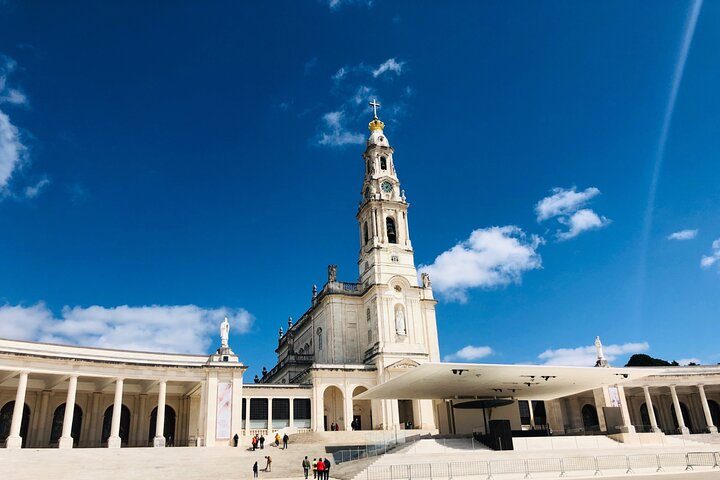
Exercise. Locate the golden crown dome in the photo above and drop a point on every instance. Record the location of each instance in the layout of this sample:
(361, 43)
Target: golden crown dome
(376, 124)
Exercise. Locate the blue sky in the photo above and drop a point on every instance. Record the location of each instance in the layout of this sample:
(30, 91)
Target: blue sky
(163, 165)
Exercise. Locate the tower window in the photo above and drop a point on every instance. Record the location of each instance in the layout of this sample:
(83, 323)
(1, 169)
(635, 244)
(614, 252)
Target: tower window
(391, 232)
(367, 235)
(383, 163)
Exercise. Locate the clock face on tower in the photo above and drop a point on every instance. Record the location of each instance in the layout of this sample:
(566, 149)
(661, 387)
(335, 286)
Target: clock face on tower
(386, 187)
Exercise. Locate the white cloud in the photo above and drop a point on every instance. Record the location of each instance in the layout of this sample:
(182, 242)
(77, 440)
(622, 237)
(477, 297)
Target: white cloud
(335, 134)
(178, 329)
(390, 65)
(567, 205)
(340, 74)
(32, 191)
(491, 257)
(586, 356)
(581, 221)
(14, 96)
(683, 235)
(688, 361)
(12, 150)
(563, 202)
(708, 261)
(469, 353)
(336, 4)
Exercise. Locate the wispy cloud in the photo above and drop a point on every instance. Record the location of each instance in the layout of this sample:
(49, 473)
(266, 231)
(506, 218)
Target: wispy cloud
(469, 353)
(708, 261)
(683, 235)
(585, 356)
(337, 4)
(335, 134)
(490, 257)
(32, 191)
(567, 206)
(390, 65)
(148, 328)
(12, 151)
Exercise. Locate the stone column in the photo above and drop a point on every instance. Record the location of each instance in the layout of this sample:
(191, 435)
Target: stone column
(93, 436)
(650, 409)
(678, 411)
(236, 407)
(628, 427)
(142, 434)
(292, 412)
(66, 440)
(14, 440)
(532, 414)
(41, 438)
(247, 416)
(114, 441)
(706, 410)
(269, 419)
(347, 408)
(159, 440)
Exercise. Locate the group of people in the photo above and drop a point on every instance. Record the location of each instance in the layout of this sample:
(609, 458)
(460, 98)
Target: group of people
(355, 424)
(285, 440)
(320, 468)
(334, 427)
(258, 441)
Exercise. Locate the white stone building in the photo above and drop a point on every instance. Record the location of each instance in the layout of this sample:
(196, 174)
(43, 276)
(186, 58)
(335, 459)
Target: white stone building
(356, 338)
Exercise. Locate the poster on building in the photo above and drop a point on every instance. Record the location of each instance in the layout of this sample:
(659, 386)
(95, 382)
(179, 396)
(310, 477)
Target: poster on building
(224, 411)
(614, 395)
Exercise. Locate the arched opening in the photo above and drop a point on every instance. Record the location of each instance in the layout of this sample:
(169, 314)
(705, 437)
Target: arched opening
(383, 163)
(686, 417)
(6, 414)
(124, 424)
(391, 231)
(366, 233)
(645, 416)
(168, 430)
(590, 418)
(714, 412)
(57, 424)
(333, 405)
(362, 411)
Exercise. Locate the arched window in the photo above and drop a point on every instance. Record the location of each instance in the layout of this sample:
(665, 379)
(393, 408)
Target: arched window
(124, 424)
(383, 163)
(57, 424)
(168, 429)
(6, 414)
(367, 233)
(391, 232)
(319, 340)
(590, 418)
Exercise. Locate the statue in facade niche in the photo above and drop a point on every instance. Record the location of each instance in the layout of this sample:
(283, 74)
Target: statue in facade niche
(224, 333)
(400, 322)
(332, 273)
(426, 283)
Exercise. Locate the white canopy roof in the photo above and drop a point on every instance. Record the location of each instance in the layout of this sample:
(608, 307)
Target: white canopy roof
(523, 382)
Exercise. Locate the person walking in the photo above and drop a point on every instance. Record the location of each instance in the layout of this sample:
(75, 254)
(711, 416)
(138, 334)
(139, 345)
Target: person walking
(262, 442)
(314, 467)
(326, 463)
(285, 441)
(255, 470)
(320, 469)
(254, 442)
(277, 439)
(268, 465)
(235, 440)
(306, 467)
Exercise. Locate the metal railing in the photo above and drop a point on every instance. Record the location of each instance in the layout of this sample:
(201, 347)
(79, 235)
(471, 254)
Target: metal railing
(374, 447)
(529, 466)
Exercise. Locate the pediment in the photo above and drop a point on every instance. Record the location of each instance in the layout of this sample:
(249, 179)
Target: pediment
(403, 364)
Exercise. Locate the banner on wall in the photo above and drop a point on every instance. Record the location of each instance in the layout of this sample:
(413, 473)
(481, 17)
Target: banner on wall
(614, 394)
(224, 411)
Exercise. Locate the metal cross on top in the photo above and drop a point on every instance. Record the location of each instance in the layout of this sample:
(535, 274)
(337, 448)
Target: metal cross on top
(374, 104)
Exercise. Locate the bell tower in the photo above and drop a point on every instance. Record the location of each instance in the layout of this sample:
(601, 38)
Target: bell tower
(385, 247)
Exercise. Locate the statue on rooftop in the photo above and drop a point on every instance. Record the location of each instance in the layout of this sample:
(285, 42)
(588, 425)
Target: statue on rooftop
(426, 283)
(224, 333)
(601, 361)
(332, 273)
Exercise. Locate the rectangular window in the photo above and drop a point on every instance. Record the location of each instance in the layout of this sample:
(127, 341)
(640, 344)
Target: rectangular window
(524, 412)
(280, 412)
(258, 413)
(301, 412)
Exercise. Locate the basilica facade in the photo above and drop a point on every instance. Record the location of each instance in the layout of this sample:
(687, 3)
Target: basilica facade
(358, 334)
